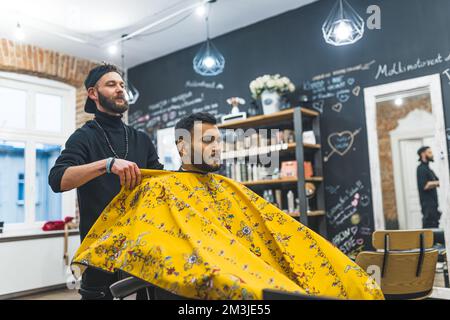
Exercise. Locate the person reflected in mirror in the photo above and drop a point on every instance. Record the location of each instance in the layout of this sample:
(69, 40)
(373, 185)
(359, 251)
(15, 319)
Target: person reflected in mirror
(427, 183)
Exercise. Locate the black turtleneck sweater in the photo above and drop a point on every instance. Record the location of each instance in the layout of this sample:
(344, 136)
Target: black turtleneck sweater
(428, 198)
(88, 144)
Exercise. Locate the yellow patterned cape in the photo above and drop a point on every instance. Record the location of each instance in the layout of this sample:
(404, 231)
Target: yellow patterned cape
(205, 236)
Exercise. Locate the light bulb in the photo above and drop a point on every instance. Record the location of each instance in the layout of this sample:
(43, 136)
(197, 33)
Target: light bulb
(209, 62)
(398, 102)
(343, 31)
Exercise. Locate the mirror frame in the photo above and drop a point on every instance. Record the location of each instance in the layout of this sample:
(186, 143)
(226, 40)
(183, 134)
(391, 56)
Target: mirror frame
(433, 82)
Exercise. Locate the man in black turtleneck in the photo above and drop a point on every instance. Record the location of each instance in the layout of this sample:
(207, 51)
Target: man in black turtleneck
(99, 158)
(427, 183)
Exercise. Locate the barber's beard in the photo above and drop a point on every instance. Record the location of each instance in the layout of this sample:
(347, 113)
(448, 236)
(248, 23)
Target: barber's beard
(111, 105)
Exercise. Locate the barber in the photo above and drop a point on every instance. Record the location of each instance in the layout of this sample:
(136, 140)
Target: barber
(427, 184)
(100, 157)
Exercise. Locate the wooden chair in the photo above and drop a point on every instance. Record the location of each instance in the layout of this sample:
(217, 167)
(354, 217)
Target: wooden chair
(406, 260)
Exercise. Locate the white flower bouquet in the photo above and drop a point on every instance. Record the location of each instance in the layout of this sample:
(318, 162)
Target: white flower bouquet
(281, 85)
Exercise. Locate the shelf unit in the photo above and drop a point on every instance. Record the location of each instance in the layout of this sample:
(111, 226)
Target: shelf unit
(262, 120)
(315, 218)
(280, 181)
(286, 147)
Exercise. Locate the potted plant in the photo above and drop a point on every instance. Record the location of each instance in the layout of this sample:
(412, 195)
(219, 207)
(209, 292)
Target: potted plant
(270, 88)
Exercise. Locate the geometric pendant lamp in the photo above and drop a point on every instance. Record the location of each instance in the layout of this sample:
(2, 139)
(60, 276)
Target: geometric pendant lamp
(343, 26)
(208, 61)
(131, 93)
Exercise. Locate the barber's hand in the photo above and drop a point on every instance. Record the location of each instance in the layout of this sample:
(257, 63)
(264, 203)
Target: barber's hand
(128, 172)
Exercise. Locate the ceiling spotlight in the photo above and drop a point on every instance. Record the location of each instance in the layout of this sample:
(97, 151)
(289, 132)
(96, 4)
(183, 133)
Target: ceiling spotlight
(19, 34)
(112, 49)
(201, 11)
(398, 102)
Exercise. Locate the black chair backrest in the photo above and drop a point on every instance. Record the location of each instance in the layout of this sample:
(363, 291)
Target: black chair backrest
(271, 294)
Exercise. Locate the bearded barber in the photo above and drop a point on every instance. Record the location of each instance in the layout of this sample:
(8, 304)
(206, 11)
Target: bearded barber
(427, 184)
(99, 158)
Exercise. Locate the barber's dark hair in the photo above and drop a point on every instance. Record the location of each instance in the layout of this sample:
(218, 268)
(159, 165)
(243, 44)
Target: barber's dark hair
(187, 123)
(96, 73)
(422, 150)
(109, 67)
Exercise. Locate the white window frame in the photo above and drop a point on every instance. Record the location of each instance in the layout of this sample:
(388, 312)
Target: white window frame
(30, 136)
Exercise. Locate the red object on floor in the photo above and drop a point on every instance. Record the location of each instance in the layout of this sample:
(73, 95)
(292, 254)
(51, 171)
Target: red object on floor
(56, 225)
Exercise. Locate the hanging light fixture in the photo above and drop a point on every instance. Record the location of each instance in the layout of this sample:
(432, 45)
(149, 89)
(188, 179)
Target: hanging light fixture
(19, 34)
(343, 26)
(208, 61)
(131, 93)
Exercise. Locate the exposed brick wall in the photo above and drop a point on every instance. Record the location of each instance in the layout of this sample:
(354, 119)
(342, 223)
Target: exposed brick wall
(32, 60)
(388, 115)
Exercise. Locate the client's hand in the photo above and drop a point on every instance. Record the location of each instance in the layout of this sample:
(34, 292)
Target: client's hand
(128, 172)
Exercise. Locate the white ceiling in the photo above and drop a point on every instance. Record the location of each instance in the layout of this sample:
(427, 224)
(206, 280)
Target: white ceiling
(84, 28)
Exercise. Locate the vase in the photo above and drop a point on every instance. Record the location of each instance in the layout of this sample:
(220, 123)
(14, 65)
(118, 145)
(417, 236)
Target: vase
(270, 101)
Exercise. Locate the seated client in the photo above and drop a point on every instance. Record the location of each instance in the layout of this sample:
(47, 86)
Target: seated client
(201, 235)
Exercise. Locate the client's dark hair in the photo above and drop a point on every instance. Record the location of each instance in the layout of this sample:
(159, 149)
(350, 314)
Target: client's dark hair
(187, 123)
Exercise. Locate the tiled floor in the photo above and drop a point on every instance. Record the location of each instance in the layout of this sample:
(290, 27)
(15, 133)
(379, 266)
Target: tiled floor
(63, 294)
(439, 279)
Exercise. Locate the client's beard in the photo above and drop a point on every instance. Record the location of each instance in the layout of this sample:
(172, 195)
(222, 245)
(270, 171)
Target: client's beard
(111, 105)
(205, 167)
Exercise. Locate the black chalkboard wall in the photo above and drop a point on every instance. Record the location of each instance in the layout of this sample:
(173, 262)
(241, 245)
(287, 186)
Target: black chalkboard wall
(291, 44)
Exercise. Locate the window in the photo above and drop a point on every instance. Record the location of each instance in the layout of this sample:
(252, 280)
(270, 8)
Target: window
(12, 162)
(48, 203)
(36, 118)
(14, 115)
(48, 112)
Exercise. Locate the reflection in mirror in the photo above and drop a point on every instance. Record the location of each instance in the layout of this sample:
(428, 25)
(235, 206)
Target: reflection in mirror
(409, 178)
(404, 125)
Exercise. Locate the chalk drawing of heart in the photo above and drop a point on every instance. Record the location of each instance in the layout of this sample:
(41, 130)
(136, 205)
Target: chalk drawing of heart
(341, 142)
(337, 107)
(350, 81)
(318, 105)
(356, 90)
(343, 95)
